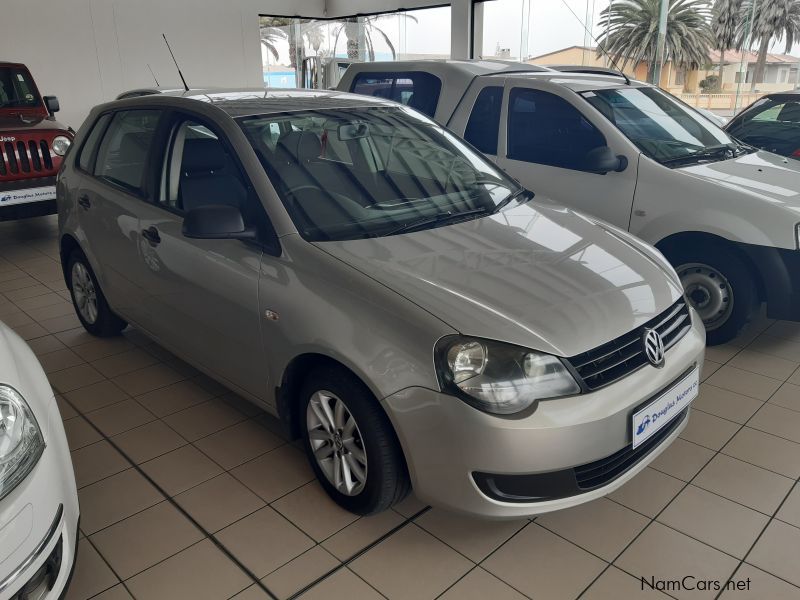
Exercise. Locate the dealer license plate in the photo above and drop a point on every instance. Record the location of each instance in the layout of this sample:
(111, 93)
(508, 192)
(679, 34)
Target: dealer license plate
(36, 194)
(649, 419)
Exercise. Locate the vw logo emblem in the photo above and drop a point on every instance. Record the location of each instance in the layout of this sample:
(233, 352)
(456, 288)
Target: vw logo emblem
(653, 347)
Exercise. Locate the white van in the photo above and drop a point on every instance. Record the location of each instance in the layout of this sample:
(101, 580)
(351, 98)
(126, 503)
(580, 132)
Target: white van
(725, 214)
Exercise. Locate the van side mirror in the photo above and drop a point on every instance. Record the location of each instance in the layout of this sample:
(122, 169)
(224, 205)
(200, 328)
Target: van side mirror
(602, 160)
(52, 105)
(216, 222)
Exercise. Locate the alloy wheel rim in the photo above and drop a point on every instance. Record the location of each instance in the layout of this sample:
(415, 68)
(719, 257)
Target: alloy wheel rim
(84, 292)
(709, 293)
(336, 442)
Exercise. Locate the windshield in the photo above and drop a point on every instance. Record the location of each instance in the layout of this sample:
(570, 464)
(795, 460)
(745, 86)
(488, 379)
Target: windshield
(663, 128)
(17, 89)
(373, 171)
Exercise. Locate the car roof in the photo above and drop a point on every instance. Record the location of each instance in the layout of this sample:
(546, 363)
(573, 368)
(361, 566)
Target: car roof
(578, 82)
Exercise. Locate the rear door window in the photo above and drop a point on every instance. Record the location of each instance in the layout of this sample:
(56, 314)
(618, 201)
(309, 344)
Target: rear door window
(484, 121)
(415, 89)
(123, 154)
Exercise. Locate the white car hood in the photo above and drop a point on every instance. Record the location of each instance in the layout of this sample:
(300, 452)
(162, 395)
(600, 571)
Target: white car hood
(537, 275)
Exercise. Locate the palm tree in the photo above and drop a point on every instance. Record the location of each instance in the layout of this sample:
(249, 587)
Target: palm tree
(778, 19)
(632, 32)
(725, 24)
(270, 35)
(353, 28)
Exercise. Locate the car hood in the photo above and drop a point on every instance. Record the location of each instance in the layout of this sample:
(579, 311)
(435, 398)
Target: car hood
(762, 174)
(537, 275)
(10, 124)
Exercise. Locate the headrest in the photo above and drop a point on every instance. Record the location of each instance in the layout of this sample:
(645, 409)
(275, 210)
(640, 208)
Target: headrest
(302, 145)
(790, 112)
(203, 156)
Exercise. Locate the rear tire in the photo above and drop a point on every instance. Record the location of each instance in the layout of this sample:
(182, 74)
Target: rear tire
(350, 442)
(88, 299)
(719, 285)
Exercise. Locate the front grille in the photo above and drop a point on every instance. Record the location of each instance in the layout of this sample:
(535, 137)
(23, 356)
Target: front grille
(622, 356)
(605, 470)
(25, 157)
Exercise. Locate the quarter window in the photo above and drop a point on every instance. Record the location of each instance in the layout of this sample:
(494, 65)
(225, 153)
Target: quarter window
(484, 121)
(90, 145)
(546, 129)
(123, 153)
(415, 89)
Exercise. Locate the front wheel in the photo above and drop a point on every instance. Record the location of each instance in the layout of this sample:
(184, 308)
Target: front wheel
(87, 297)
(351, 444)
(720, 286)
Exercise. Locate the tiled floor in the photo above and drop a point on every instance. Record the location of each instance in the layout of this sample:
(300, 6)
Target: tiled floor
(187, 491)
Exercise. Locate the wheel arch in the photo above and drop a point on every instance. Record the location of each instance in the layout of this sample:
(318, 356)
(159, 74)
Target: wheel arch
(67, 246)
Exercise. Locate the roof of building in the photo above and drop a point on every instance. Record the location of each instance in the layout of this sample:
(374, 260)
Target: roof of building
(734, 56)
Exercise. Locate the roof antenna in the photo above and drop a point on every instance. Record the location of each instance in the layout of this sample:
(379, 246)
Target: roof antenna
(185, 87)
(599, 46)
(153, 74)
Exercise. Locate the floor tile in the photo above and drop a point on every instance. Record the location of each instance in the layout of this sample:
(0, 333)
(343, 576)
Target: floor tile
(790, 510)
(204, 419)
(43, 345)
(118, 592)
(101, 348)
(51, 311)
(59, 360)
(602, 527)
(342, 585)
(80, 433)
(173, 398)
(92, 574)
(760, 586)
(777, 420)
(788, 396)
(538, 563)
(648, 492)
(115, 498)
(219, 502)
(709, 368)
(145, 539)
(75, 337)
(312, 510)
(474, 538)
(97, 461)
(411, 564)
(181, 469)
(764, 364)
(782, 348)
(479, 585)
(709, 431)
(148, 441)
(722, 353)
(59, 324)
(276, 473)
(765, 450)
(708, 518)
(120, 417)
(776, 551)
(124, 362)
(664, 553)
(788, 330)
(239, 443)
(95, 396)
(614, 584)
(74, 377)
(682, 459)
(742, 482)
(361, 533)
(201, 572)
(409, 506)
(300, 572)
(254, 592)
(726, 404)
(795, 378)
(147, 379)
(744, 382)
(65, 408)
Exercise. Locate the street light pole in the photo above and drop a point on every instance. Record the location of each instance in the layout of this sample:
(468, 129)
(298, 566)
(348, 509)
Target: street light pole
(662, 42)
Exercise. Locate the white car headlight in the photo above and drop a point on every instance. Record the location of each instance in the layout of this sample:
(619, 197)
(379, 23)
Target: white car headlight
(61, 144)
(21, 441)
(797, 235)
(500, 378)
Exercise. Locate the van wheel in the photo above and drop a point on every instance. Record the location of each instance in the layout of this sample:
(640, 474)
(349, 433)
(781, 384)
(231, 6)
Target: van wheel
(351, 443)
(720, 286)
(87, 297)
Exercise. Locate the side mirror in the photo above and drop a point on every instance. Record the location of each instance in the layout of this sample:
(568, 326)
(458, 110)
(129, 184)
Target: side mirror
(52, 105)
(216, 222)
(602, 160)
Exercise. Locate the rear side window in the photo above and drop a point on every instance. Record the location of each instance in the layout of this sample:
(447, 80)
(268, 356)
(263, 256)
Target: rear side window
(484, 121)
(122, 156)
(90, 145)
(415, 89)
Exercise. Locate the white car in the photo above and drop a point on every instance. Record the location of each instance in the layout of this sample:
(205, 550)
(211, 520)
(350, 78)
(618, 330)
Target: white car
(726, 215)
(38, 498)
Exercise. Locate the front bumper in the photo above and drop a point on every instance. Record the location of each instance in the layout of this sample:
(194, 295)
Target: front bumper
(24, 198)
(779, 269)
(39, 524)
(447, 442)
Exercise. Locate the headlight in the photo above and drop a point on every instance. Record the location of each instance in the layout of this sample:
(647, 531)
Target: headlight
(61, 144)
(21, 442)
(500, 378)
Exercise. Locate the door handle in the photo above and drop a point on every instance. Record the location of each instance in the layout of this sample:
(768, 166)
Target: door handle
(151, 235)
(85, 202)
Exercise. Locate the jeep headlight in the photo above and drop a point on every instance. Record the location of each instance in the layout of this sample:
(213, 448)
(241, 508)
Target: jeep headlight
(61, 144)
(21, 441)
(500, 378)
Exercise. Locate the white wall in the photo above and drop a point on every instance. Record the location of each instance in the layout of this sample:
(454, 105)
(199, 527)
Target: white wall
(87, 51)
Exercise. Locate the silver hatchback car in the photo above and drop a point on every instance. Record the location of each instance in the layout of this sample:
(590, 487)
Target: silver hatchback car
(417, 317)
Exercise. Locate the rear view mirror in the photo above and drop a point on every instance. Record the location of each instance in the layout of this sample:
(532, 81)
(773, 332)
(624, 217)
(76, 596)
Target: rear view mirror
(602, 160)
(352, 131)
(216, 222)
(52, 105)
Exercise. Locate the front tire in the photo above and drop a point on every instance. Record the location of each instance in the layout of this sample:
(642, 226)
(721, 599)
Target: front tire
(350, 443)
(720, 286)
(90, 304)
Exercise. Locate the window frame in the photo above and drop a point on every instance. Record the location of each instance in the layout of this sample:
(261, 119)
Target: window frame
(93, 155)
(502, 89)
(394, 76)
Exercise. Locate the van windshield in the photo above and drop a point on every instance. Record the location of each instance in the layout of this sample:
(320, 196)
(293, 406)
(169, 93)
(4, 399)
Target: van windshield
(374, 171)
(663, 128)
(17, 89)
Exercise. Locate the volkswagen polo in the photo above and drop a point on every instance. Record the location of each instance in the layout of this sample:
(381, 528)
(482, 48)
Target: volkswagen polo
(409, 310)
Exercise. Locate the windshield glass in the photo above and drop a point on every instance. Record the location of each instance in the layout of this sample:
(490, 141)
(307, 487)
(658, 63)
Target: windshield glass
(662, 127)
(17, 89)
(373, 171)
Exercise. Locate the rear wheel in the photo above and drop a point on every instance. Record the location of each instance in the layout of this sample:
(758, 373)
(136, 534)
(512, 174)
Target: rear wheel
(351, 444)
(87, 297)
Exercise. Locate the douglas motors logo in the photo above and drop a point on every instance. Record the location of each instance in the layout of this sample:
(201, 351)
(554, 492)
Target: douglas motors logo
(5, 198)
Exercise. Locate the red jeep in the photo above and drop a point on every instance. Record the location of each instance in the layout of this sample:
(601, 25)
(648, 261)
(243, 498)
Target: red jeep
(32, 146)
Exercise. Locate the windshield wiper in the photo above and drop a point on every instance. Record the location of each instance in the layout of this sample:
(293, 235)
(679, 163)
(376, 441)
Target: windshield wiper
(508, 199)
(721, 152)
(438, 219)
